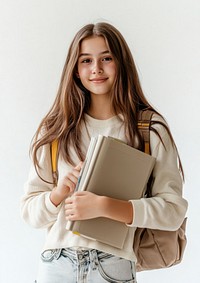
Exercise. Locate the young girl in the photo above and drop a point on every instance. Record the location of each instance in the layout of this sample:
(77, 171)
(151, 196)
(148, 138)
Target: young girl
(99, 93)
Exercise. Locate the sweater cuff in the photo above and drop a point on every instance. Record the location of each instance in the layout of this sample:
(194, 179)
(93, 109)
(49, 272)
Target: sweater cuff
(137, 217)
(50, 206)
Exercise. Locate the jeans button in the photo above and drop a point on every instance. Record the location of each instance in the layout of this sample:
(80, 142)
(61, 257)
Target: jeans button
(80, 257)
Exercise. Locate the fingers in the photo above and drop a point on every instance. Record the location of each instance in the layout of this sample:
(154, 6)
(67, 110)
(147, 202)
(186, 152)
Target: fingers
(73, 176)
(81, 205)
(79, 166)
(66, 185)
(71, 179)
(70, 208)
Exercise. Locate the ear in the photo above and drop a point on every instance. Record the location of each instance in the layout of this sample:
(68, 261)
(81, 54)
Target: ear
(77, 74)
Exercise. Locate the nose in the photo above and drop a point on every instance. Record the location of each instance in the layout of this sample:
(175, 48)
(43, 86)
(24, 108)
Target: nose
(97, 68)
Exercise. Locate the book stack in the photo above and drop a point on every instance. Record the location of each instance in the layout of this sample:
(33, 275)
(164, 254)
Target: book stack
(117, 170)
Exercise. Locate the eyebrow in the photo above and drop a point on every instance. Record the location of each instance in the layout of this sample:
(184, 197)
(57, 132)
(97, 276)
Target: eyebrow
(88, 54)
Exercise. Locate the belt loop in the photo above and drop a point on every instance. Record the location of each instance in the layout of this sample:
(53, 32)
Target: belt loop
(57, 253)
(93, 259)
(79, 255)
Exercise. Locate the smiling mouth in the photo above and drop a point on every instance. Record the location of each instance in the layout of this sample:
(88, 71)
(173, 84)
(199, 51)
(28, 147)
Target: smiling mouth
(98, 80)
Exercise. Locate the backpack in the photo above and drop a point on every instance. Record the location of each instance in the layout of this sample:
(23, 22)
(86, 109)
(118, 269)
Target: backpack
(154, 249)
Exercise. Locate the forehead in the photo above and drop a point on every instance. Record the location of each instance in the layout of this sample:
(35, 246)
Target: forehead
(94, 45)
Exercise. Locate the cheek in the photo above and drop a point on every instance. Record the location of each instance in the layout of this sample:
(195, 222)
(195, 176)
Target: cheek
(113, 69)
(83, 75)
(83, 72)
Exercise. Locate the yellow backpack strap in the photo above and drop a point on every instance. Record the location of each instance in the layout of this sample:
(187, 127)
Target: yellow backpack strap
(54, 157)
(144, 122)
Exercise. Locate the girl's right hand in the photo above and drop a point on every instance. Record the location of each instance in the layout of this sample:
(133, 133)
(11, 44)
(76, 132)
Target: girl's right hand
(66, 185)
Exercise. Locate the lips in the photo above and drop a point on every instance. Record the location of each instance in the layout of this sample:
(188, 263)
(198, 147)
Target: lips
(98, 80)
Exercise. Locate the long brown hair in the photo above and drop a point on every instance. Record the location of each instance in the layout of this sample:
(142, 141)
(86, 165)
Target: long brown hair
(63, 120)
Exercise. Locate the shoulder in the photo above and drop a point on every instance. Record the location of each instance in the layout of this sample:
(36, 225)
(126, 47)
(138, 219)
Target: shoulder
(160, 134)
(159, 123)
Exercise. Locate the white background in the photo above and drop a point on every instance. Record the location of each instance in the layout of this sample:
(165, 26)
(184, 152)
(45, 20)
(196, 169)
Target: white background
(164, 37)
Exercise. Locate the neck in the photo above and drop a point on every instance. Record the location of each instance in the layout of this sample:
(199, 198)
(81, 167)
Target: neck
(101, 109)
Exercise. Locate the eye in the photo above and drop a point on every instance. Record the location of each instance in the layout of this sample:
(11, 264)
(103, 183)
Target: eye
(87, 60)
(107, 59)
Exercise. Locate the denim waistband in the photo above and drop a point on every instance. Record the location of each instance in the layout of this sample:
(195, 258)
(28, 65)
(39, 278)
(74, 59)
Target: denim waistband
(90, 263)
(80, 253)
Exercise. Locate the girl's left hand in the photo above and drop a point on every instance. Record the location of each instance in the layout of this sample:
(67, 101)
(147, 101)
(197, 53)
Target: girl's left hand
(83, 205)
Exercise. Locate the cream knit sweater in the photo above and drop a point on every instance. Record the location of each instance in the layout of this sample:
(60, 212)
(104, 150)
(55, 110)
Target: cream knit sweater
(165, 210)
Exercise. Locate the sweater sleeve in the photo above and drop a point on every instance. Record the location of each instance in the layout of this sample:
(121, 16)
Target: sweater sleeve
(36, 207)
(166, 208)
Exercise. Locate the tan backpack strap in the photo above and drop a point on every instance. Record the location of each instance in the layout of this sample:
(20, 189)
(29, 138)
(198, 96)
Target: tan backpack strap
(54, 157)
(144, 122)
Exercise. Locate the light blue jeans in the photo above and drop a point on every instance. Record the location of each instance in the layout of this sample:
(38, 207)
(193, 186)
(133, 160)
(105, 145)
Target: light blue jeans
(84, 266)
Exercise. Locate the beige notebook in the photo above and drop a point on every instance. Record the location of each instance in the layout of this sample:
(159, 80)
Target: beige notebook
(114, 169)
